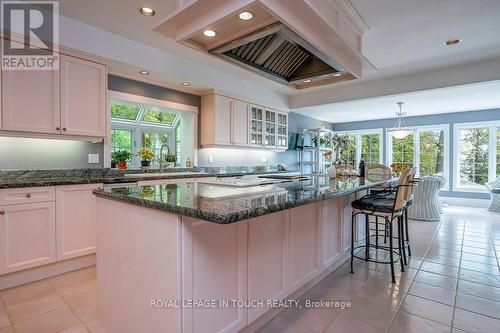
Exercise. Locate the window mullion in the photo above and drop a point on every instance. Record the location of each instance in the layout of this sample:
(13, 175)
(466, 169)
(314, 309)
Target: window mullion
(358, 149)
(492, 153)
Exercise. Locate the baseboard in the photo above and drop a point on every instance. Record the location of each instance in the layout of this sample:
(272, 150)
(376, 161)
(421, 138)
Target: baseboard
(465, 202)
(46, 271)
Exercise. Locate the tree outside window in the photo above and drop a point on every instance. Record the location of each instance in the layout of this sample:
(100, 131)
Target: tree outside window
(403, 151)
(370, 149)
(348, 154)
(122, 140)
(431, 153)
(473, 150)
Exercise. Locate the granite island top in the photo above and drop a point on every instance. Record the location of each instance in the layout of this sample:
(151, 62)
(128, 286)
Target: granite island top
(225, 204)
(36, 178)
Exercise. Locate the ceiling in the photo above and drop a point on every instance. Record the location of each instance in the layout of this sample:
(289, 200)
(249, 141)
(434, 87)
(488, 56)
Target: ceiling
(479, 96)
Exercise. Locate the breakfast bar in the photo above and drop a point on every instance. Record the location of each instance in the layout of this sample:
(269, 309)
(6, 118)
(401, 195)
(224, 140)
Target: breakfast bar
(206, 256)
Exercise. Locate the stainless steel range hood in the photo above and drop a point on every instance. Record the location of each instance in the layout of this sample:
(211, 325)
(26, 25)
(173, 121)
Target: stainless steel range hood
(279, 54)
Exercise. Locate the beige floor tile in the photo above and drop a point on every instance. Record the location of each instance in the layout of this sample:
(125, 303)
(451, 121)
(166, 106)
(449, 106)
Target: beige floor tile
(388, 296)
(70, 279)
(35, 307)
(371, 312)
(473, 322)
(479, 251)
(408, 323)
(479, 258)
(26, 292)
(479, 305)
(281, 324)
(76, 329)
(432, 293)
(478, 277)
(347, 284)
(479, 290)
(345, 323)
(80, 292)
(4, 318)
(8, 329)
(315, 319)
(51, 322)
(428, 309)
(480, 267)
(94, 326)
(440, 269)
(85, 309)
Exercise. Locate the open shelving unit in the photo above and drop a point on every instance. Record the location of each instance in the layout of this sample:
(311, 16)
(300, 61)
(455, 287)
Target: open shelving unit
(311, 158)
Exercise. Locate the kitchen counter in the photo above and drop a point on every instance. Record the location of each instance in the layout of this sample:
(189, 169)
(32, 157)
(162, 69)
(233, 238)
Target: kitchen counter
(36, 178)
(225, 204)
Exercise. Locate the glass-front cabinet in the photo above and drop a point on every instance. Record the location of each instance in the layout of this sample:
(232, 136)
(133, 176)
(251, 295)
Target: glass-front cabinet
(282, 136)
(257, 126)
(270, 140)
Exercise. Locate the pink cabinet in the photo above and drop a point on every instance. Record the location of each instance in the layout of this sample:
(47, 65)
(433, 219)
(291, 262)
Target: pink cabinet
(27, 236)
(303, 259)
(75, 220)
(240, 123)
(330, 231)
(267, 254)
(214, 267)
(83, 97)
(30, 101)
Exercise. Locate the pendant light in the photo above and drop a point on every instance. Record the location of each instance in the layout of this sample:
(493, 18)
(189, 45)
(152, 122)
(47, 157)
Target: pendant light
(400, 132)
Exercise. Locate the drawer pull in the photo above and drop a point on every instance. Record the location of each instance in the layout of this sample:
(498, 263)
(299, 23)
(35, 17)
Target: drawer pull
(2, 212)
(28, 195)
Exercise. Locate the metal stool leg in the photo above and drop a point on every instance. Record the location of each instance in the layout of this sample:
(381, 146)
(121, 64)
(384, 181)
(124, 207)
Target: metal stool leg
(402, 256)
(391, 254)
(376, 231)
(406, 231)
(367, 237)
(352, 242)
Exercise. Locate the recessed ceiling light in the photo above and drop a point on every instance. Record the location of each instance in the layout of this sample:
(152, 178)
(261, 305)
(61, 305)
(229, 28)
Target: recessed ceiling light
(144, 72)
(246, 15)
(337, 74)
(185, 84)
(455, 41)
(146, 11)
(307, 81)
(209, 33)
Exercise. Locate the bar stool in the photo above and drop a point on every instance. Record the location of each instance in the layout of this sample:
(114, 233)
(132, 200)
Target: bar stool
(389, 206)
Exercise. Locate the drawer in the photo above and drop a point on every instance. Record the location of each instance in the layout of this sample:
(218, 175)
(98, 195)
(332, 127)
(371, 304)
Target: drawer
(14, 196)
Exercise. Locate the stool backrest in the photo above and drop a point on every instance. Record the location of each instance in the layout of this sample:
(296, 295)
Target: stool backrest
(401, 191)
(378, 172)
(409, 189)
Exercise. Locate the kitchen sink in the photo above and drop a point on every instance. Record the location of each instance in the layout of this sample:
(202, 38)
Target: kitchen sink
(165, 174)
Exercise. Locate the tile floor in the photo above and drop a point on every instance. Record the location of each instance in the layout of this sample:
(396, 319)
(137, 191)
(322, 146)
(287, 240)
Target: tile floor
(452, 284)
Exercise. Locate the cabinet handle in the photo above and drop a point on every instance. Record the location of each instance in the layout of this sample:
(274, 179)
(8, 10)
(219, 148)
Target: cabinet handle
(58, 128)
(64, 129)
(2, 212)
(28, 195)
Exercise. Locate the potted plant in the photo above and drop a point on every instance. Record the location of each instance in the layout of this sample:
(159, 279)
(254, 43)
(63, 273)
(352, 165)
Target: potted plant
(171, 158)
(121, 156)
(146, 156)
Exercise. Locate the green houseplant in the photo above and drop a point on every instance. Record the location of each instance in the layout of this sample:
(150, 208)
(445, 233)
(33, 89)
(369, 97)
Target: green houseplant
(121, 157)
(170, 158)
(146, 156)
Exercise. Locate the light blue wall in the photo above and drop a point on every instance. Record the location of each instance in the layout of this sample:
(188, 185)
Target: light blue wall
(439, 119)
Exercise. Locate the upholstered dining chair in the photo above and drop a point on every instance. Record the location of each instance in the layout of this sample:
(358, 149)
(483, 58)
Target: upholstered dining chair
(426, 205)
(494, 189)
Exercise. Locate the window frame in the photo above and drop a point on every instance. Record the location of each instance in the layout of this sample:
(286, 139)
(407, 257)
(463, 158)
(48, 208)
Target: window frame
(493, 127)
(357, 141)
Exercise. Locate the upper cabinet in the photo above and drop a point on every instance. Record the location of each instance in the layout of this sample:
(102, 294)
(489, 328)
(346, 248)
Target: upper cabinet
(83, 97)
(71, 101)
(227, 121)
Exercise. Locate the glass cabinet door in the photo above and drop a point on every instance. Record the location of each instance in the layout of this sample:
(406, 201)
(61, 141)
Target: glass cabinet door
(257, 126)
(282, 136)
(270, 128)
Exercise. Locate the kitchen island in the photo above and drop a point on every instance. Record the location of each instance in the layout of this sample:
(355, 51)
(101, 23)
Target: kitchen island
(209, 257)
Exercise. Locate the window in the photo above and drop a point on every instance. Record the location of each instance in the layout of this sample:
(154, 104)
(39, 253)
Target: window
(473, 154)
(498, 152)
(370, 149)
(403, 151)
(134, 126)
(365, 145)
(431, 157)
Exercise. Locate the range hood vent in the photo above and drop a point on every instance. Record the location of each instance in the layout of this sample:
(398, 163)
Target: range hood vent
(280, 54)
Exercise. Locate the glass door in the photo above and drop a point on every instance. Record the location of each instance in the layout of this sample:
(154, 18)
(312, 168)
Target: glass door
(257, 123)
(282, 130)
(270, 128)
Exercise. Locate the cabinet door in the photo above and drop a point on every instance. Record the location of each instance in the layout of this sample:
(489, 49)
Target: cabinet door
(331, 236)
(256, 126)
(282, 137)
(303, 257)
(30, 101)
(27, 236)
(214, 258)
(222, 121)
(270, 128)
(267, 244)
(75, 231)
(240, 123)
(83, 97)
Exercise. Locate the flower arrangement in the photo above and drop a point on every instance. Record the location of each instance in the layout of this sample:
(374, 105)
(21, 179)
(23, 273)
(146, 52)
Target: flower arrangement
(397, 168)
(146, 154)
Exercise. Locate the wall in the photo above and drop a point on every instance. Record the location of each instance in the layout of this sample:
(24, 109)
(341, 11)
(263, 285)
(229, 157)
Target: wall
(253, 157)
(27, 153)
(447, 118)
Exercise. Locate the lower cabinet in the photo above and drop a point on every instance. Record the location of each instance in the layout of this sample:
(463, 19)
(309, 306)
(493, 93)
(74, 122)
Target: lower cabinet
(75, 220)
(267, 260)
(331, 235)
(27, 236)
(214, 268)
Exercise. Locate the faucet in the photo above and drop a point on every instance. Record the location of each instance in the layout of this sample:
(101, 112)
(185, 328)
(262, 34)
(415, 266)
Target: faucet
(161, 155)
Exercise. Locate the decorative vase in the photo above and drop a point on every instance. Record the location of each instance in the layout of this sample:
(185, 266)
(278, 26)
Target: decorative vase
(145, 163)
(122, 165)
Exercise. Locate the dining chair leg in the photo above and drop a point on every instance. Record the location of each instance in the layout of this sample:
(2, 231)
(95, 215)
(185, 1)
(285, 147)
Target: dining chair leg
(391, 249)
(352, 242)
(407, 233)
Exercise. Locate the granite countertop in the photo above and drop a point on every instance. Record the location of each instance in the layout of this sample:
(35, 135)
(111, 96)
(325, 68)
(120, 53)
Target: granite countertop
(224, 204)
(36, 178)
